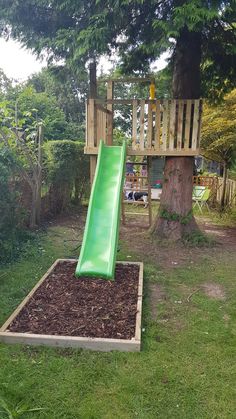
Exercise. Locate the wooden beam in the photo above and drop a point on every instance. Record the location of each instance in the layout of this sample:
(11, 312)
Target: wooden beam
(165, 124)
(101, 108)
(157, 126)
(187, 125)
(122, 208)
(134, 125)
(180, 124)
(142, 120)
(127, 80)
(172, 124)
(92, 115)
(93, 164)
(149, 167)
(199, 124)
(110, 92)
(130, 101)
(124, 101)
(152, 152)
(136, 213)
(91, 131)
(150, 126)
(195, 124)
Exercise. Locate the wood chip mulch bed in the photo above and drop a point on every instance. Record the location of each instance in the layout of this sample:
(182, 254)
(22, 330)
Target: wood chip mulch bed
(69, 306)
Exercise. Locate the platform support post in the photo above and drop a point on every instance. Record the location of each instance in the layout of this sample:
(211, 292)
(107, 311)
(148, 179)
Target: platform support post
(93, 95)
(110, 95)
(149, 167)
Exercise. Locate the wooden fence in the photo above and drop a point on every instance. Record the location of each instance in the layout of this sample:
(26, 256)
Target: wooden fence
(230, 193)
(157, 127)
(215, 183)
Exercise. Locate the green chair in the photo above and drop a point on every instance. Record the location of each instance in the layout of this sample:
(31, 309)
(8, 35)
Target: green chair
(201, 197)
(198, 191)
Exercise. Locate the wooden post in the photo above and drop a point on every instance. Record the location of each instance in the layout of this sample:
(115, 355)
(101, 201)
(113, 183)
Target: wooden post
(93, 95)
(149, 166)
(110, 95)
(157, 126)
(150, 127)
(142, 121)
(134, 125)
(122, 208)
(93, 80)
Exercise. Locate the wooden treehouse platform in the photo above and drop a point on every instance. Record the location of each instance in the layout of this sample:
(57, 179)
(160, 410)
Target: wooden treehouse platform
(152, 127)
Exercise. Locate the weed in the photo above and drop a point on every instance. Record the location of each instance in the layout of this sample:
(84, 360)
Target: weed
(198, 239)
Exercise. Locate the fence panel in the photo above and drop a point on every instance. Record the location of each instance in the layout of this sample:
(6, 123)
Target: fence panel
(215, 183)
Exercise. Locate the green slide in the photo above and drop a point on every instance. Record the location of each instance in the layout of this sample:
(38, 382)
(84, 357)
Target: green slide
(99, 247)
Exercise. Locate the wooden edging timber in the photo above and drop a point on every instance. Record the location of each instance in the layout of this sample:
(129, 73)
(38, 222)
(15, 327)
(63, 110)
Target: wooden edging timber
(96, 344)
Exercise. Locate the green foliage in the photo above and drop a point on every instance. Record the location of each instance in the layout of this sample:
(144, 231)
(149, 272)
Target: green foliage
(197, 239)
(119, 137)
(139, 31)
(67, 171)
(11, 216)
(174, 216)
(33, 107)
(45, 97)
(219, 130)
(232, 172)
(5, 84)
(69, 90)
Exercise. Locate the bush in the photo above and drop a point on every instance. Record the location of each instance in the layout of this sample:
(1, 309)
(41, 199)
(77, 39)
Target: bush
(11, 216)
(67, 173)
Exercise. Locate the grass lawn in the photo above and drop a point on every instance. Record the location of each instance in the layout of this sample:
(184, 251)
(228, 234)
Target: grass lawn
(187, 366)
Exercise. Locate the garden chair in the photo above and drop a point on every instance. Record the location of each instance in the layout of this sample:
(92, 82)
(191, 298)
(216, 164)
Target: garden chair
(198, 191)
(201, 198)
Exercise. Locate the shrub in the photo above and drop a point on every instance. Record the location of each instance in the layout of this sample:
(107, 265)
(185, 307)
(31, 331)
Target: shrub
(67, 173)
(11, 216)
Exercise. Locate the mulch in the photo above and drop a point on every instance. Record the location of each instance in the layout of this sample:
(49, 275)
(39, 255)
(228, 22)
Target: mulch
(90, 307)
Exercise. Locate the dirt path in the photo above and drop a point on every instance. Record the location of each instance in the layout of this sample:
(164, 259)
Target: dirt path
(136, 240)
(170, 255)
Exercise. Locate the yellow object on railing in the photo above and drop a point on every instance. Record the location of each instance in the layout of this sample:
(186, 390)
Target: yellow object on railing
(152, 90)
(153, 94)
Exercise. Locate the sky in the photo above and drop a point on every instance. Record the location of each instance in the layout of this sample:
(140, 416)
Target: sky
(19, 63)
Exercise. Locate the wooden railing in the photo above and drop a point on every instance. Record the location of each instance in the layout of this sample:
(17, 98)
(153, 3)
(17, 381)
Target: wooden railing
(157, 127)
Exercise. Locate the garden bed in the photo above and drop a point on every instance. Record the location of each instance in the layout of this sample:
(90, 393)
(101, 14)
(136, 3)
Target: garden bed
(91, 313)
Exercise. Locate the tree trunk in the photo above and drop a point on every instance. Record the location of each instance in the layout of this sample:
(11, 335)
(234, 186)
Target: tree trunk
(33, 212)
(225, 173)
(39, 174)
(175, 216)
(38, 201)
(77, 191)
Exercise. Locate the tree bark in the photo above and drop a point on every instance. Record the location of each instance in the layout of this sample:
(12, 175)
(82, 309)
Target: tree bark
(175, 215)
(33, 212)
(225, 173)
(39, 174)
